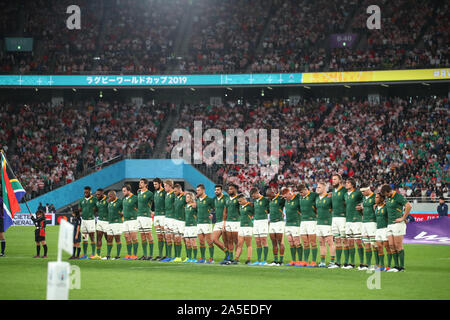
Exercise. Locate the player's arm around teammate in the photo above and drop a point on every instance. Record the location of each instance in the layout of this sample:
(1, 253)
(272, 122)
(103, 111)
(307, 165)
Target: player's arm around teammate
(276, 225)
(247, 212)
(380, 235)
(308, 225)
(205, 206)
(292, 229)
(144, 220)
(219, 206)
(324, 234)
(115, 225)
(261, 225)
(159, 216)
(130, 208)
(190, 230)
(396, 204)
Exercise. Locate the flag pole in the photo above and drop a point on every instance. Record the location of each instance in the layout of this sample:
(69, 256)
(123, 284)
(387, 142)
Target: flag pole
(4, 155)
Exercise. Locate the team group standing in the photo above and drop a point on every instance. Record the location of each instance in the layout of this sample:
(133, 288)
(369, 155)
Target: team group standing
(339, 223)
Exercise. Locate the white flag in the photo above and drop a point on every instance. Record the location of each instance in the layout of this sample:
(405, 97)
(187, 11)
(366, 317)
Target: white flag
(65, 241)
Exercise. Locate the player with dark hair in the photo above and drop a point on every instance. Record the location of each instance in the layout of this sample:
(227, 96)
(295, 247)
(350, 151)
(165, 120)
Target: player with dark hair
(380, 235)
(144, 220)
(246, 212)
(102, 222)
(276, 225)
(179, 223)
(159, 215)
(231, 219)
(308, 226)
(292, 228)
(369, 226)
(220, 201)
(338, 221)
(398, 208)
(353, 224)
(324, 209)
(115, 226)
(130, 226)
(76, 222)
(204, 206)
(88, 207)
(39, 233)
(260, 225)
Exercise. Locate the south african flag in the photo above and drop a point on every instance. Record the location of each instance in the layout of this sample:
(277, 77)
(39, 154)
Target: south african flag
(12, 192)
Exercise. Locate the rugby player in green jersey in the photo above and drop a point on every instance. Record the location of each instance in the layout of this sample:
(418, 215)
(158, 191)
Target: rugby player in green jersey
(204, 206)
(324, 234)
(398, 208)
(115, 224)
(276, 225)
(353, 223)
(338, 220)
(144, 218)
(231, 218)
(102, 222)
(87, 207)
(260, 225)
(369, 226)
(292, 228)
(190, 229)
(246, 212)
(308, 225)
(158, 215)
(130, 226)
(178, 226)
(220, 201)
(169, 218)
(380, 235)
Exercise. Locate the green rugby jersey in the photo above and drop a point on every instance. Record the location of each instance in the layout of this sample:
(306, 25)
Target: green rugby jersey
(276, 206)
(159, 198)
(324, 210)
(292, 209)
(204, 207)
(308, 206)
(338, 202)
(145, 200)
(232, 206)
(114, 209)
(352, 199)
(130, 207)
(88, 207)
(168, 205)
(102, 209)
(190, 215)
(179, 204)
(219, 206)
(368, 210)
(261, 207)
(247, 212)
(381, 216)
(394, 207)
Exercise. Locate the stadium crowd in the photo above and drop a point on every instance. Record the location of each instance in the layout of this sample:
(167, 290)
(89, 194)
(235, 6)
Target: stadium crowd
(400, 142)
(236, 36)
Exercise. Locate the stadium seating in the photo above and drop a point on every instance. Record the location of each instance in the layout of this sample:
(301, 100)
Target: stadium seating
(145, 37)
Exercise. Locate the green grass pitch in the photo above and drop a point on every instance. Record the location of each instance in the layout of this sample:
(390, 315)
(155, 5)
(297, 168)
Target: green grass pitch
(427, 276)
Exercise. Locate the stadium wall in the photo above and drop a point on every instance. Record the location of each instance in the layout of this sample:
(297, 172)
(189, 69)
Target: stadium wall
(125, 169)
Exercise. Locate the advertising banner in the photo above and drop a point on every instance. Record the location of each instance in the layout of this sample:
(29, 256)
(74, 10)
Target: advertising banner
(435, 231)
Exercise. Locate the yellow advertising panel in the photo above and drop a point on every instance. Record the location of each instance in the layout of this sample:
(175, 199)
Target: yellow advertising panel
(376, 76)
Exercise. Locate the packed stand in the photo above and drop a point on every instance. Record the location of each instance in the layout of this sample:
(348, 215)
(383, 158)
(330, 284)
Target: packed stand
(49, 141)
(123, 130)
(139, 36)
